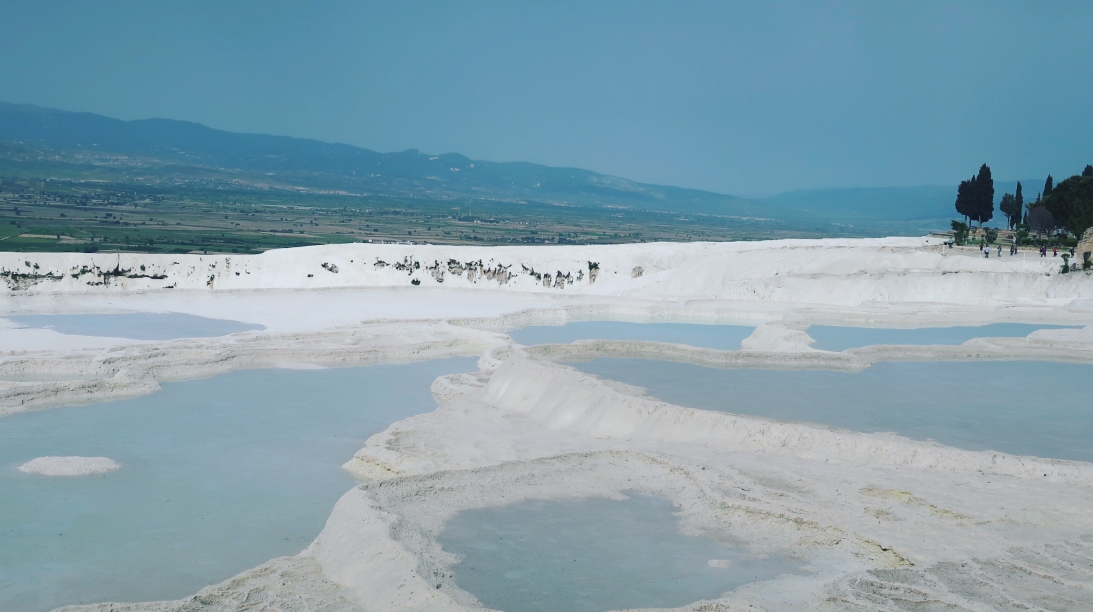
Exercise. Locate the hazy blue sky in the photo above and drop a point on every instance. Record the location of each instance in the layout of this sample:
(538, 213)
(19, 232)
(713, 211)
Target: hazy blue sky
(744, 98)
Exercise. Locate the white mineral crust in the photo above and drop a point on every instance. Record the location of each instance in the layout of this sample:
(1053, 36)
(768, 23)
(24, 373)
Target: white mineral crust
(69, 466)
(876, 520)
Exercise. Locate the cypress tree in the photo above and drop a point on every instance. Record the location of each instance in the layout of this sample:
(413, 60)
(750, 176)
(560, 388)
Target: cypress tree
(965, 199)
(1048, 186)
(983, 200)
(1015, 207)
(1088, 170)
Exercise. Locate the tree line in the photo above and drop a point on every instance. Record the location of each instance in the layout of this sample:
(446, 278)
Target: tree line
(1068, 205)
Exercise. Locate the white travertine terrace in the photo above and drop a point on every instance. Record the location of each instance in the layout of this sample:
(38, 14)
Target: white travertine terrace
(877, 521)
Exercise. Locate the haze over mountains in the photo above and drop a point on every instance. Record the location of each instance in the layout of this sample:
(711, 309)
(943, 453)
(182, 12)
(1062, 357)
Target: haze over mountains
(55, 143)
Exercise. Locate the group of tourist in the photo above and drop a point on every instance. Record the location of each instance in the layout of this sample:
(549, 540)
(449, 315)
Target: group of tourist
(986, 250)
(1054, 251)
(1013, 250)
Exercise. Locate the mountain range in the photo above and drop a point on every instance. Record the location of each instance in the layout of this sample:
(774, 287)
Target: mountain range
(85, 145)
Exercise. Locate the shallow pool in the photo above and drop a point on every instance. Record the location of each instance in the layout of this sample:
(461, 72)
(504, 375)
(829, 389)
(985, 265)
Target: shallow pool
(835, 338)
(591, 555)
(723, 337)
(136, 325)
(1020, 407)
(217, 476)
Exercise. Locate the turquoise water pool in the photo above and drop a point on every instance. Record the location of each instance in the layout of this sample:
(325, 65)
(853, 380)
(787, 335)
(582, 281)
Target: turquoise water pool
(593, 555)
(835, 338)
(723, 337)
(136, 325)
(1021, 407)
(729, 337)
(217, 476)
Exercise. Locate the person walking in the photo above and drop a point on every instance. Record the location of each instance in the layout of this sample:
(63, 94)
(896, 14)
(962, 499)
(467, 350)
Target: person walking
(999, 250)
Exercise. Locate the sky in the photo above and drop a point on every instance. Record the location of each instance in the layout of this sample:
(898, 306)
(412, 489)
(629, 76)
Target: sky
(746, 98)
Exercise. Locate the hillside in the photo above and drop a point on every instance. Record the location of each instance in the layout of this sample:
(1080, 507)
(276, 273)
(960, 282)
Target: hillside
(200, 188)
(166, 149)
(933, 203)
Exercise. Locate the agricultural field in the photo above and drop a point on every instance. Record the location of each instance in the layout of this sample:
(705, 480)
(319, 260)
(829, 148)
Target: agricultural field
(89, 216)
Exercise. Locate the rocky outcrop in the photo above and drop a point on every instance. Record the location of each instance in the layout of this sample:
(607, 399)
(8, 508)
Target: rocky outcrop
(1085, 245)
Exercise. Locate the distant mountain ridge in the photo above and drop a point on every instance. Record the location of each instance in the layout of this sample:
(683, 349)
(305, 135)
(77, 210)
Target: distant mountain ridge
(183, 150)
(893, 203)
(921, 202)
(299, 162)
